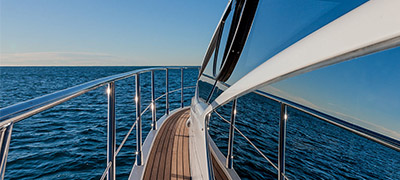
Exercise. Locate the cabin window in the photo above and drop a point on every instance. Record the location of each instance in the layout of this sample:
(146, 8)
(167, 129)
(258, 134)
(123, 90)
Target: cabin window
(205, 85)
(209, 68)
(273, 31)
(363, 91)
(223, 42)
(207, 79)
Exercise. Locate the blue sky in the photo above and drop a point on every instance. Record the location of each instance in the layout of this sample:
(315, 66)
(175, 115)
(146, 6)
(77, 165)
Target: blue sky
(94, 32)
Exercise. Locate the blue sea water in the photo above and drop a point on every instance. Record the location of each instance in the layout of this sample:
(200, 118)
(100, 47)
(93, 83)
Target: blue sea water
(69, 140)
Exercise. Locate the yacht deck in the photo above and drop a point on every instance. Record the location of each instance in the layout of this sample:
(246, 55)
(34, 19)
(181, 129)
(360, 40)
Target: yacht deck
(169, 155)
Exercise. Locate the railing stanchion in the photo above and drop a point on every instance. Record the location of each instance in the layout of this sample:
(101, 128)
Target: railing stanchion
(166, 92)
(229, 158)
(111, 131)
(282, 141)
(139, 122)
(5, 144)
(208, 153)
(153, 105)
(181, 87)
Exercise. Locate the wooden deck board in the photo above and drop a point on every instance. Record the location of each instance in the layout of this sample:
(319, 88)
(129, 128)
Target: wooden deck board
(168, 159)
(174, 165)
(155, 154)
(179, 159)
(157, 164)
(167, 150)
(169, 155)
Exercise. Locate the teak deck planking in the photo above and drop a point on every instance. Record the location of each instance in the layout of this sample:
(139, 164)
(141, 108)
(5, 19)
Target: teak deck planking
(169, 155)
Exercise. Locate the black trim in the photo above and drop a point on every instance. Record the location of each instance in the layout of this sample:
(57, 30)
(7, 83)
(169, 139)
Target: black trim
(212, 45)
(217, 49)
(239, 40)
(235, 21)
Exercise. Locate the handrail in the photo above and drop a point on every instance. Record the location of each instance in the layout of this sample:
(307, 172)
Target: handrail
(125, 138)
(105, 170)
(17, 112)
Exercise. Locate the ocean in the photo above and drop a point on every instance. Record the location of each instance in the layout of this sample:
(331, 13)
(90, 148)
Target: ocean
(69, 140)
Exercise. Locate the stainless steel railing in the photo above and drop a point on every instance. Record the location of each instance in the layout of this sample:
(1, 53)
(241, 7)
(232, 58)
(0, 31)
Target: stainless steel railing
(15, 113)
(384, 140)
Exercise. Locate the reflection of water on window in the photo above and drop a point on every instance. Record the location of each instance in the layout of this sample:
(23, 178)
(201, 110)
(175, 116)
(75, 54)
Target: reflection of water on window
(315, 148)
(363, 91)
(205, 86)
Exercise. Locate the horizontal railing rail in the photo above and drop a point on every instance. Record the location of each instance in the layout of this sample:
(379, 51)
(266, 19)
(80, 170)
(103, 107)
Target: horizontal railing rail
(15, 113)
(19, 111)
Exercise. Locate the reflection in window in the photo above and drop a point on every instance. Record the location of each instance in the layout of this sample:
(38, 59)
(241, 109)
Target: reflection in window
(218, 90)
(363, 91)
(209, 68)
(315, 148)
(224, 39)
(279, 24)
(205, 85)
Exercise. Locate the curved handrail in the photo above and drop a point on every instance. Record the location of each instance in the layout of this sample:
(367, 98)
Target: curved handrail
(125, 138)
(17, 112)
(105, 171)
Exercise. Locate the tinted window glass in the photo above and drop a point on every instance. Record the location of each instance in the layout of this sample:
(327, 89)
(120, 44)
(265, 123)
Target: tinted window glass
(279, 24)
(224, 39)
(363, 91)
(205, 86)
(209, 68)
(218, 90)
(206, 80)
